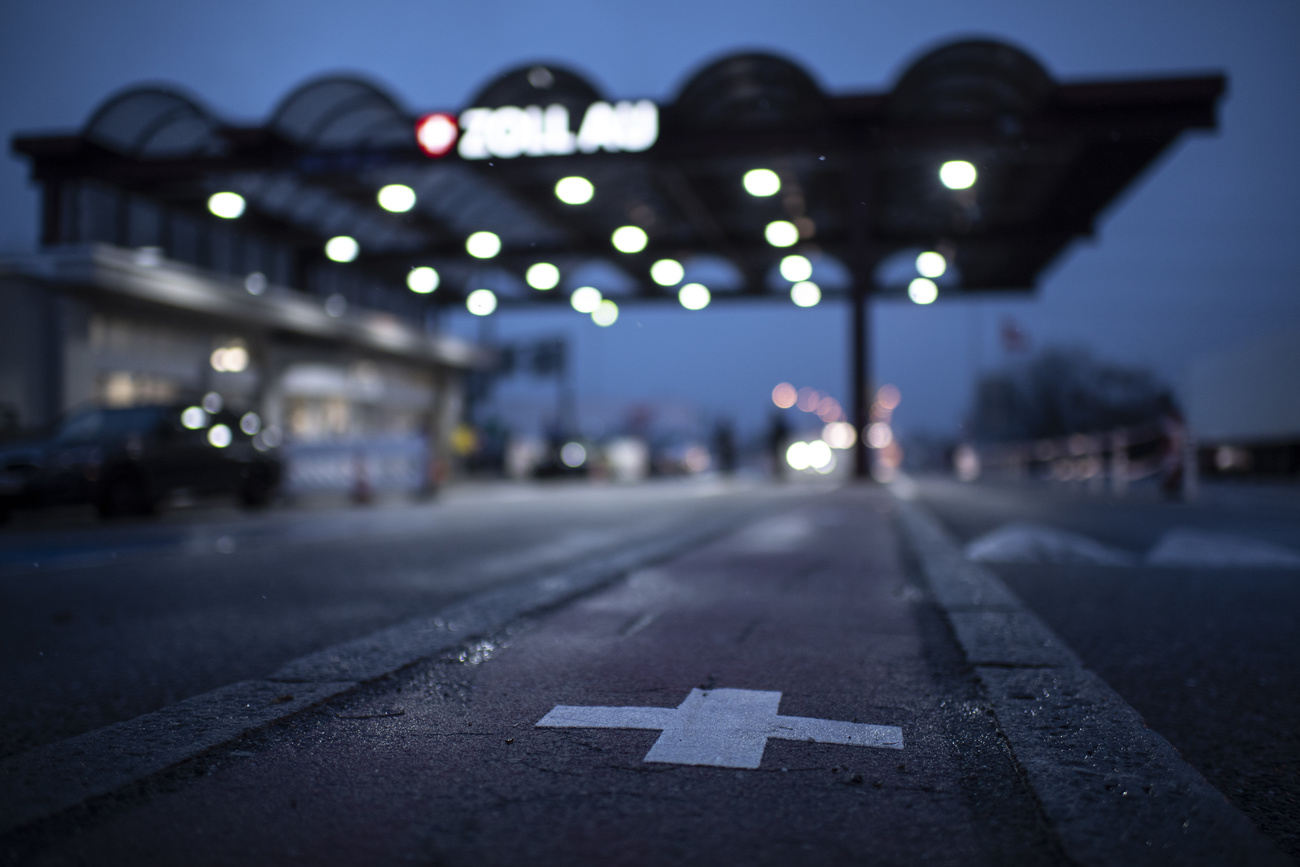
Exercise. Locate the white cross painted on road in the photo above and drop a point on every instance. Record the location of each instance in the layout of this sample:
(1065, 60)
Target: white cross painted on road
(724, 728)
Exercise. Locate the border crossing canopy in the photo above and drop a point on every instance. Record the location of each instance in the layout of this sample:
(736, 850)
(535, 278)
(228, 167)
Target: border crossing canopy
(976, 154)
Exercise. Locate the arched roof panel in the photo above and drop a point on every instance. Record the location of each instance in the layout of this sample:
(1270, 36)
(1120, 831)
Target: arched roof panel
(341, 112)
(153, 122)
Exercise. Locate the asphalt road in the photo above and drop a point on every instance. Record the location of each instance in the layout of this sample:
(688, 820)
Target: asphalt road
(102, 623)
(1207, 654)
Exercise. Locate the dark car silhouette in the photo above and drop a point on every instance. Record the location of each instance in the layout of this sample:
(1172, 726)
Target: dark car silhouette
(125, 461)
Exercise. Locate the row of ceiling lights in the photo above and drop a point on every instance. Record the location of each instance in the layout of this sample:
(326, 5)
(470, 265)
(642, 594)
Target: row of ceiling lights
(575, 190)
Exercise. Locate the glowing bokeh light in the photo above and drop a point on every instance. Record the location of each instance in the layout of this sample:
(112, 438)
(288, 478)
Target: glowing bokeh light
(229, 359)
(957, 174)
(255, 283)
(931, 264)
(342, 248)
(781, 233)
(629, 239)
(879, 435)
(574, 190)
(543, 276)
(796, 268)
(481, 302)
(573, 455)
(436, 133)
(250, 423)
(483, 245)
(694, 296)
(784, 395)
(761, 182)
(819, 454)
(840, 435)
(398, 198)
(922, 290)
(585, 299)
(806, 294)
(888, 396)
(212, 402)
(422, 280)
(220, 436)
(227, 206)
(828, 409)
(667, 272)
(194, 417)
(808, 399)
(797, 456)
(605, 314)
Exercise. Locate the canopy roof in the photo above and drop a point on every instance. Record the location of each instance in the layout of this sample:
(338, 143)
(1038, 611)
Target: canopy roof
(859, 178)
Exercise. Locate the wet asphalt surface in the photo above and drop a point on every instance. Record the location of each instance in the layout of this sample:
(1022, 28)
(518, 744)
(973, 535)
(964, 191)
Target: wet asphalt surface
(1209, 656)
(102, 623)
(443, 764)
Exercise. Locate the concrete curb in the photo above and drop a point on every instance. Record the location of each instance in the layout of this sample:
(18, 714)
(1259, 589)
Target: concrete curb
(48, 780)
(1114, 791)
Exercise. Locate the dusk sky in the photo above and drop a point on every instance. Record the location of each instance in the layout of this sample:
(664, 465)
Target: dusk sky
(1199, 255)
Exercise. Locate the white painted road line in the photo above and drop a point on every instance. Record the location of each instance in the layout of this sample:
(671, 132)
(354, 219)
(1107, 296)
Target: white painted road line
(722, 728)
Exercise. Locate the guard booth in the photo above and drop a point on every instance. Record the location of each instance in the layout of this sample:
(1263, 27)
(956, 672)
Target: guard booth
(324, 243)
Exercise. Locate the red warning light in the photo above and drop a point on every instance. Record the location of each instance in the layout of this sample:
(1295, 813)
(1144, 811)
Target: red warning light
(436, 133)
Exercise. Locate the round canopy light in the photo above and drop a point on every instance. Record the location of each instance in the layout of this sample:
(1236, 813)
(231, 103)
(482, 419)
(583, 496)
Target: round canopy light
(481, 302)
(542, 275)
(796, 268)
(342, 248)
(422, 280)
(227, 206)
(922, 291)
(574, 190)
(605, 314)
(667, 272)
(957, 174)
(781, 233)
(585, 299)
(762, 182)
(483, 245)
(398, 198)
(806, 294)
(931, 264)
(629, 239)
(694, 296)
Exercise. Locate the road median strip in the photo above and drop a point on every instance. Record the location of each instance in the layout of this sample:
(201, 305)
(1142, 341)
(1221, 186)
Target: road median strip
(1114, 791)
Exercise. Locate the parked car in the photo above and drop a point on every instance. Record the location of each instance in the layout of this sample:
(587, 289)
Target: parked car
(125, 461)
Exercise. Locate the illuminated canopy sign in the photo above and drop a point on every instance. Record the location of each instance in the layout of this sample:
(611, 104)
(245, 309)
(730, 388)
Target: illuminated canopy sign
(511, 131)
